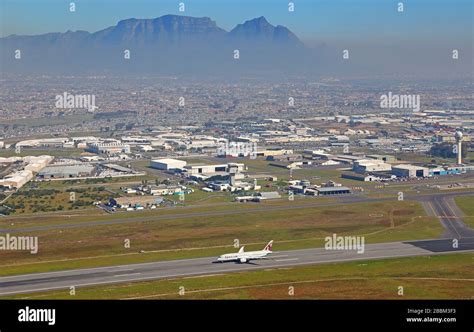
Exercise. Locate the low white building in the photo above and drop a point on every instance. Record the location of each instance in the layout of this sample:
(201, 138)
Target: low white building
(56, 142)
(167, 164)
(372, 165)
(273, 152)
(18, 179)
(162, 190)
(329, 162)
(213, 169)
(410, 171)
(108, 147)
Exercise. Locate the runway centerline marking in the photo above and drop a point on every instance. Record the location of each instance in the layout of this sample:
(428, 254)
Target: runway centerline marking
(451, 226)
(444, 212)
(128, 274)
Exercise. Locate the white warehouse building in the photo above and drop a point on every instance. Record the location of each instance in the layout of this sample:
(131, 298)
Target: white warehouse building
(214, 169)
(372, 165)
(167, 164)
(108, 147)
(410, 171)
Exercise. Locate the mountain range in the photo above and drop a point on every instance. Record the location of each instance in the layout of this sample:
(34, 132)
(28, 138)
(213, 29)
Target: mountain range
(168, 44)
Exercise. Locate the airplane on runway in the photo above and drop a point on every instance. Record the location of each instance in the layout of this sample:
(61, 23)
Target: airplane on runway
(246, 257)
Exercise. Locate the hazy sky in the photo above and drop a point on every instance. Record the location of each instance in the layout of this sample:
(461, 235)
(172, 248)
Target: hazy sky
(418, 41)
(312, 20)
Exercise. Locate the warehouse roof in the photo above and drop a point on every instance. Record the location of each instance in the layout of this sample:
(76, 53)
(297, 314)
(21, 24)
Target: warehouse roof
(409, 166)
(167, 160)
(328, 189)
(67, 169)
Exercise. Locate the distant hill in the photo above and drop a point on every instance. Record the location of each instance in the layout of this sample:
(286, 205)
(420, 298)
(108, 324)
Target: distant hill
(259, 30)
(169, 44)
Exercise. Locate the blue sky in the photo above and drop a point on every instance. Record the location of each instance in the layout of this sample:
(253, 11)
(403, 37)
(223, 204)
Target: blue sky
(313, 20)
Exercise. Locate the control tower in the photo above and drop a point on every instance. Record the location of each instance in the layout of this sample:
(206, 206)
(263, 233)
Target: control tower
(458, 137)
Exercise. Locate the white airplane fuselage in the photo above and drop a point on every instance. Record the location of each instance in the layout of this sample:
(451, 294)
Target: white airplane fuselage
(244, 257)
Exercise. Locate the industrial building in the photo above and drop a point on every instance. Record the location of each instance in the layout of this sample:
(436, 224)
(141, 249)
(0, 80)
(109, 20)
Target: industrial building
(317, 154)
(167, 164)
(117, 169)
(108, 147)
(410, 171)
(259, 197)
(445, 171)
(273, 152)
(16, 180)
(329, 162)
(135, 201)
(304, 187)
(347, 158)
(162, 190)
(232, 185)
(292, 165)
(338, 139)
(285, 157)
(370, 165)
(43, 142)
(327, 191)
(24, 173)
(66, 171)
(236, 149)
(214, 169)
(367, 177)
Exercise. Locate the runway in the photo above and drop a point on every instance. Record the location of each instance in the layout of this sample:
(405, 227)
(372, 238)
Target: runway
(49, 281)
(449, 215)
(440, 205)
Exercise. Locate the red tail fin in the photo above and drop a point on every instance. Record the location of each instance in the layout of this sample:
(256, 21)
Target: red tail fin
(268, 247)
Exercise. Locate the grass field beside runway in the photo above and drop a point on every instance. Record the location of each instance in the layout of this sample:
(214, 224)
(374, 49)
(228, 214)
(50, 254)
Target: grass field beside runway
(466, 204)
(202, 206)
(427, 277)
(212, 235)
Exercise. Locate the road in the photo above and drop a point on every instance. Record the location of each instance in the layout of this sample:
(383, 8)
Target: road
(49, 281)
